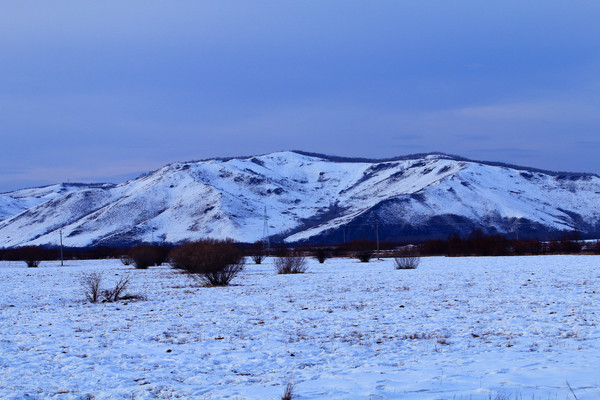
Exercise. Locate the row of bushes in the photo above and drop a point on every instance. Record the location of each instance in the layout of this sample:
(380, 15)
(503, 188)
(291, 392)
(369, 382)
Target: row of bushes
(480, 244)
(211, 262)
(477, 243)
(145, 256)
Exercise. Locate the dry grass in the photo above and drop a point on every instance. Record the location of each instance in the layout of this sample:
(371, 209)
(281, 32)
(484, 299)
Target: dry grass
(288, 394)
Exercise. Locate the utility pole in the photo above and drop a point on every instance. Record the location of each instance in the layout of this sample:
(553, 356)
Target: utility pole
(266, 229)
(61, 248)
(377, 236)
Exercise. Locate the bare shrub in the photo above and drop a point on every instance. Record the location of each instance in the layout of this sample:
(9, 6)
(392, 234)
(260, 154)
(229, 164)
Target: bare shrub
(362, 249)
(144, 256)
(288, 394)
(32, 255)
(91, 285)
(407, 262)
(162, 254)
(91, 288)
(293, 263)
(258, 252)
(364, 255)
(322, 254)
(117, 292)
(213, 262)
(222, 276)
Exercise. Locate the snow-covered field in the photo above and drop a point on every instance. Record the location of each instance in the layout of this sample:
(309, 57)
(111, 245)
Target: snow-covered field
(455, 328)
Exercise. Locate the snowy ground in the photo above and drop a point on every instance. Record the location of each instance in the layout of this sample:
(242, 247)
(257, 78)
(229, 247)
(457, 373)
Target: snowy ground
(455, 328)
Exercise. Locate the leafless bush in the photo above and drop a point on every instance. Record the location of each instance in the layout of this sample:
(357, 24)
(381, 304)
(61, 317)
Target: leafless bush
(221, 277)
(117, 292)
(364, 255)
(322, 254)
(258, 252)
(144, 256)
(407, 262)
(288, 394)
(293, 263)
(91, 288)
(91, 285)
(213, 262)
(32, 255)
(361, 249)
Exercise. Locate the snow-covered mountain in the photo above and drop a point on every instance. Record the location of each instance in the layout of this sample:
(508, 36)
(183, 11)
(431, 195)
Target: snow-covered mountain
(306, 197)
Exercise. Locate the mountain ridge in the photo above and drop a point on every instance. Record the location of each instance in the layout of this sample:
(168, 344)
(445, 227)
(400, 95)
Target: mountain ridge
(307, 197)
(411, 156)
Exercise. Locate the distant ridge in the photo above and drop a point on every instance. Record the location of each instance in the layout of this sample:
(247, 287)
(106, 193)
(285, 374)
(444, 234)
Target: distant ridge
(445, 155)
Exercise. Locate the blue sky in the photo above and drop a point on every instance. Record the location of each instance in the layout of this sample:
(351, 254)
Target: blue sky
(101, 91)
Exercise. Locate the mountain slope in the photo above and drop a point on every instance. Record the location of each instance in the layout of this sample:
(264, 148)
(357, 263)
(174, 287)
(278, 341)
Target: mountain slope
(306, 197)
(20, 200)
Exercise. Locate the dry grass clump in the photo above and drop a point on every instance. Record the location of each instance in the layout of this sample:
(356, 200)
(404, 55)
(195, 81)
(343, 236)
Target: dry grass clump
(288, 394)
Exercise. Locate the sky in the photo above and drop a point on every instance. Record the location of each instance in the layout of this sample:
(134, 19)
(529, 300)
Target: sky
(104, 91)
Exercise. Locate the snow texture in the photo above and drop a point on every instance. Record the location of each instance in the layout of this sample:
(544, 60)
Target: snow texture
(455, 328)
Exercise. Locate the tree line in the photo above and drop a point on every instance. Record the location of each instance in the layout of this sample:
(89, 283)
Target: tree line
(477, 243)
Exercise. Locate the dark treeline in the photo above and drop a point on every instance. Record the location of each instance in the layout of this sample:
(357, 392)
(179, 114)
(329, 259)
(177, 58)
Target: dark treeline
(69, 253)
(475, 244)
(479, 244)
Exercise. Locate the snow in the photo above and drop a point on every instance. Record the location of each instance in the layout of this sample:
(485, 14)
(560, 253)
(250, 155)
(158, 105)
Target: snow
(15, 202)
(455, 328)
(305, 196)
